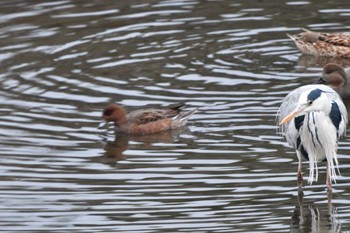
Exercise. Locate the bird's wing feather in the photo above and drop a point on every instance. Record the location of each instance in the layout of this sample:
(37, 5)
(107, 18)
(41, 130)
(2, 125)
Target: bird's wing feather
(338, 111)
(338, 39)
(141, 117)
(338, 119)
(339, 116)
(288, 105)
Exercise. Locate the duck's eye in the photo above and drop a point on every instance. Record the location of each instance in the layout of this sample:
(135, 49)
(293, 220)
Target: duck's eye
(108, 112)
(310, 102)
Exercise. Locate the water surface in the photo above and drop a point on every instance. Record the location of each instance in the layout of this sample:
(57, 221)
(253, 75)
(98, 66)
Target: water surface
(63, 61)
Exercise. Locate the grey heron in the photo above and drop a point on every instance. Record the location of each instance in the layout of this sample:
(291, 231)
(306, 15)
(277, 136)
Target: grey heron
(336, 77)
(312, 118)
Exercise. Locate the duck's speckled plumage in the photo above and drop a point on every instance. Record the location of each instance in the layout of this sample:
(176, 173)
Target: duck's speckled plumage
(323, 44)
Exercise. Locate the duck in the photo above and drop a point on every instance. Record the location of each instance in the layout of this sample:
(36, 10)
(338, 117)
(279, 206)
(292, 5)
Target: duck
(322, 44)
(145, 121)
(337, 77)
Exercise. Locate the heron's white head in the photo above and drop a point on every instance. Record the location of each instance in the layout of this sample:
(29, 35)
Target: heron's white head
(309, 101)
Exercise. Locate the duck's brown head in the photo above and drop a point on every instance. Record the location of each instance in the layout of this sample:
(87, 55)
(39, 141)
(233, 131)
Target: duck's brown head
(334, 75)
(114, 113)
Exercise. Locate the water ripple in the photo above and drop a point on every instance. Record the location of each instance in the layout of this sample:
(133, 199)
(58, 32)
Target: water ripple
(64, 61)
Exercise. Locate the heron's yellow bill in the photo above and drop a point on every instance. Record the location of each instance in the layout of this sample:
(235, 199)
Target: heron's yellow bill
(289, 117)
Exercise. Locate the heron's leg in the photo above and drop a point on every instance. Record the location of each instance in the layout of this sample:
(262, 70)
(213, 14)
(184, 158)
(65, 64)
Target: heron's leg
(329, 183)
(300, 179)
(299, 174)
(300, 182)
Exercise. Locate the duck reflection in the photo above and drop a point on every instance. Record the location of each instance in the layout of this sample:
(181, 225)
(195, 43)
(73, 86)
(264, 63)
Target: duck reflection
(114, 150)
(311, 218)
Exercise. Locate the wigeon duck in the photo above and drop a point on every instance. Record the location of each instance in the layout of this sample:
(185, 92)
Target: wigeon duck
(323, 44)
(336, 77)
(145, 121)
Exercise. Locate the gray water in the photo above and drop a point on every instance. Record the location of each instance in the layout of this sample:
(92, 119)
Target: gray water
(62, 62)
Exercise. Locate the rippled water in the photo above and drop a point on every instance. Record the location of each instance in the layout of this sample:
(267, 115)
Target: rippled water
(61, 62)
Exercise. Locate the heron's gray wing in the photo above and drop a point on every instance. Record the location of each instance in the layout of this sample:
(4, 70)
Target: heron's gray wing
(339, 115)
(335, 115)
(289, 103)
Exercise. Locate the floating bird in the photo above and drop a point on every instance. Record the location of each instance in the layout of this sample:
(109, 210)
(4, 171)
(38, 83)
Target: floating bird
(323, 44)
(312, 118)
(337, 78)
(145, 121)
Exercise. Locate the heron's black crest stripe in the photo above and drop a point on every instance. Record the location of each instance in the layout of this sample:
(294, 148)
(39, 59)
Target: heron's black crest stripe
(316, 130)
(317, 138)
(311, 115)
(335, 115)
(299, 121)
(314, 94)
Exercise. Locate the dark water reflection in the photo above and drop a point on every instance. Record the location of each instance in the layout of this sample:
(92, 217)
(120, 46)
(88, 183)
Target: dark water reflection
(315, 219)
(63, 61)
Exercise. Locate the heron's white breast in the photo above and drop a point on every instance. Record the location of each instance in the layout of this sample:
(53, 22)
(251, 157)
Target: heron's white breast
(318, 136)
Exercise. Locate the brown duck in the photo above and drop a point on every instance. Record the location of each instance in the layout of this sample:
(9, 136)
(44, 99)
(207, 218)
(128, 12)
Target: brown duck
(323, 44)
(337, 78)
(145, 121)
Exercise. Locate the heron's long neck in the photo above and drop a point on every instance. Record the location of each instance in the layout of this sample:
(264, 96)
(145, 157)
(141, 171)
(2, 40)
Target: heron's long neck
(326, 105)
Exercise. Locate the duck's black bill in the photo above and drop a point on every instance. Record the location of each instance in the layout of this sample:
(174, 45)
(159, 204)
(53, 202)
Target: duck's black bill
(102, 124)
(320, 81)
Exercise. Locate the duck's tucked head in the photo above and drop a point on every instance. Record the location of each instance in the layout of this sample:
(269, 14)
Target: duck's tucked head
(114, 113)
(334, 75)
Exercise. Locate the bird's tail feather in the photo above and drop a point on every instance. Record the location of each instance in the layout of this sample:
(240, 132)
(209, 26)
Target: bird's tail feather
(183, 116)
